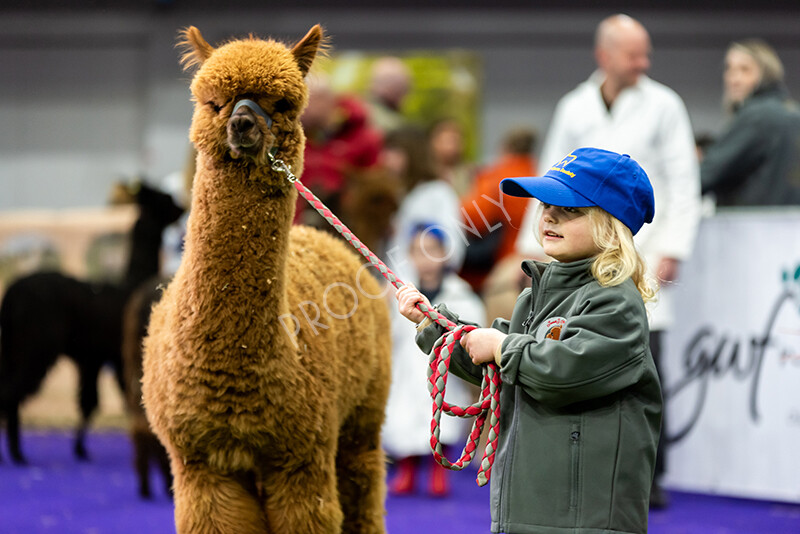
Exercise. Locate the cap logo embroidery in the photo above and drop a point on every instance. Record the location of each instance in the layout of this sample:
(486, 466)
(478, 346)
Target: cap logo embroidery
(559, 167)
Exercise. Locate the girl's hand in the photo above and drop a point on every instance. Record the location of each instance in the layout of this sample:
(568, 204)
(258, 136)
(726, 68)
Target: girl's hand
(482, 343)
(407, 297)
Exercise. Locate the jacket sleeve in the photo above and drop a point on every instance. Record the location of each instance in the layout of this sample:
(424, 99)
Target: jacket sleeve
(734, 156)
(602, 350)
(460, 363)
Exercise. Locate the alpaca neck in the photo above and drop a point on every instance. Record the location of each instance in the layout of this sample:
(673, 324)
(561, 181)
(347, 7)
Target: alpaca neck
(237, 241)
(145, 249)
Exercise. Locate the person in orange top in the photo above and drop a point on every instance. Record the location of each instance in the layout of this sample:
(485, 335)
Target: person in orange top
(496, 217)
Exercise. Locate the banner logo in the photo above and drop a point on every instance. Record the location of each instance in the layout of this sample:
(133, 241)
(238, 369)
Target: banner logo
(710, 355)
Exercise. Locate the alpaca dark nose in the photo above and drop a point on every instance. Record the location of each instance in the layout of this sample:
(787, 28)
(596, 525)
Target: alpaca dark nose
(244, 135)
(241, 124)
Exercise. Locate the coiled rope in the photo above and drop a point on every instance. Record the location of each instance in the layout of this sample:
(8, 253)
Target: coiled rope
(488, 404)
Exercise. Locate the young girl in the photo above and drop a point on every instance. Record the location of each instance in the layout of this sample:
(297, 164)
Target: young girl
(581, 400)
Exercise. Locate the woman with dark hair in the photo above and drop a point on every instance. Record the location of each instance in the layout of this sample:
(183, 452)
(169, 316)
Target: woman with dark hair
(756, 160)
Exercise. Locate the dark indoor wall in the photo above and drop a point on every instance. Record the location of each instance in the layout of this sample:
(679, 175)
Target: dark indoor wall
(93, 94)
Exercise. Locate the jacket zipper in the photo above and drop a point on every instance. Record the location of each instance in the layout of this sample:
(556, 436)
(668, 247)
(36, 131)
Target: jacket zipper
(512, 431)
(504, 505)
(527, 322)
(536, 284)
(574, 451)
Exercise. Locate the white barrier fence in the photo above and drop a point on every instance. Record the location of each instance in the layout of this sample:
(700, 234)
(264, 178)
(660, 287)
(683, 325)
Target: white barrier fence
(732, 369)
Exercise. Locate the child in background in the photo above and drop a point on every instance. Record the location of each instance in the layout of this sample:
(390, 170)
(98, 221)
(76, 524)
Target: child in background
(581, 400)
(406, 431)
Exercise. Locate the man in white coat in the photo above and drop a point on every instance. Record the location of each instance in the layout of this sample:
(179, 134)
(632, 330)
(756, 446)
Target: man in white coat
(619, 108)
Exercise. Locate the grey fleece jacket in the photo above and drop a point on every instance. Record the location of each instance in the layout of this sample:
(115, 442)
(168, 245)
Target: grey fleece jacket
(580, 406)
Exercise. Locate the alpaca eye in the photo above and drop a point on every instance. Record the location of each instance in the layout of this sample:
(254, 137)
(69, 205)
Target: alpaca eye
(214, 106)
(282, 105)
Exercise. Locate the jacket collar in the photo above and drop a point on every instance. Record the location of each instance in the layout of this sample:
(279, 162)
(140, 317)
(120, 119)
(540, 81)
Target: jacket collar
(598, 77)
(775, 90)
(562, 274)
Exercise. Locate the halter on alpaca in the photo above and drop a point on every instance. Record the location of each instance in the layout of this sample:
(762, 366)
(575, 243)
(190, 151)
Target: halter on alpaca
(253, 107)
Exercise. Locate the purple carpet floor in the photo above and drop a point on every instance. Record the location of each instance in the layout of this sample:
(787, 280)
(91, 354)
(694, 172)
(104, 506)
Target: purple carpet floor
(57, 494)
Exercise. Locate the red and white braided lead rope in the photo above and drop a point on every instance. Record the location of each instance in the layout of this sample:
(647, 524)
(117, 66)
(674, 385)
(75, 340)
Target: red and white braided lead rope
(488, 404)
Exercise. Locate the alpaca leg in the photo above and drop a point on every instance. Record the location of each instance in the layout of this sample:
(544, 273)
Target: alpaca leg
(23, 370)
(303, 499)
(80, 441)
(5, 393)
(141, 463)
(361, 469)
(208, 502)
(88, 402)
(12, 425)
(163, 462)
(159, 453)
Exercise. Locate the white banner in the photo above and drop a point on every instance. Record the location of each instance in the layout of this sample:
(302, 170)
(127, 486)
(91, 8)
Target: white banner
(732, 362)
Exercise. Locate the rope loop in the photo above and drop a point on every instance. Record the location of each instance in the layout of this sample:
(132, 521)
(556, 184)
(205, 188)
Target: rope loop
(487, 405)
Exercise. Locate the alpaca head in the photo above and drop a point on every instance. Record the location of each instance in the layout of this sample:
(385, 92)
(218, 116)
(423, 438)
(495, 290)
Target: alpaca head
(155, 205)
(267, 78)
(161, 207)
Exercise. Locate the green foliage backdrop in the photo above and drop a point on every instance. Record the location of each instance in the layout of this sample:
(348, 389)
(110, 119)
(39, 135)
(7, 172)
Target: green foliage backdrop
(446, 84)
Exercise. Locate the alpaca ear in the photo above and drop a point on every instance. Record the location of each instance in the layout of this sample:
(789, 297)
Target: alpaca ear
(306, 50)
(195, 49)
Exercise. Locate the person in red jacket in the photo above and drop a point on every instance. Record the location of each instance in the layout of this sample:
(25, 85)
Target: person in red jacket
(496, 217)
(339, 141)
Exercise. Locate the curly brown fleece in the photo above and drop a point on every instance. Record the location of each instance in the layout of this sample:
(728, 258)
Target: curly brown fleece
(267, 366)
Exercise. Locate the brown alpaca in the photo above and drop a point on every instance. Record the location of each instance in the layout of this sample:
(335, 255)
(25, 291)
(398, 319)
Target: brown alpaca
(147, 448)
(267, 364)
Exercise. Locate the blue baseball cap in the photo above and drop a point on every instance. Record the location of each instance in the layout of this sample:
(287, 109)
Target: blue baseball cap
(592, 177)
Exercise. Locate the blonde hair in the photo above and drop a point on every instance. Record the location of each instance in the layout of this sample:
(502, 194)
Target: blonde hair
(618, 259)
(765, 57)
(769, 65)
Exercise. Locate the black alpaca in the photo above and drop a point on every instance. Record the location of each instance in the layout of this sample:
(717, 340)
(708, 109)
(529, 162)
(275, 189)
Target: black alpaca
(44, 315)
